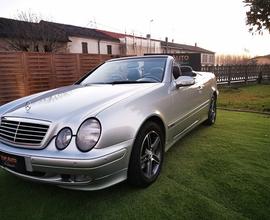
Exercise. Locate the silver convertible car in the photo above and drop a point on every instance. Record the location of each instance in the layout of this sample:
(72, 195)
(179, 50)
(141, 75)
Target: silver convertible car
(114, 124)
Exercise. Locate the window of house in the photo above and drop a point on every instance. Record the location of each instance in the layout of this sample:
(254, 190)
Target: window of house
(204, 58)
(84, 47)
(211, 58)
(109, 49)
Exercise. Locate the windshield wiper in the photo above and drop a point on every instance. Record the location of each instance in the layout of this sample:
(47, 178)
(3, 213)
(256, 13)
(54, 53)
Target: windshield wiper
(128, 82)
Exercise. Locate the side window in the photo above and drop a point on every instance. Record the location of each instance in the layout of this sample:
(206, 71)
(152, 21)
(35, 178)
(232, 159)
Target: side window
(84, 47)
(176, 71)
(109, 49)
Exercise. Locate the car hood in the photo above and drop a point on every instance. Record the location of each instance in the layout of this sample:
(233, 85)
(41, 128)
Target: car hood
(75, 100)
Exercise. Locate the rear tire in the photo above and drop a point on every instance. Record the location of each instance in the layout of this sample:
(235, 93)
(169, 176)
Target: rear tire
(212, 112)
(147, 155)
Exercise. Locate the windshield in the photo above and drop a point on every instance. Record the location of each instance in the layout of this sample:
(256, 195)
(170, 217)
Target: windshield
(141, 70)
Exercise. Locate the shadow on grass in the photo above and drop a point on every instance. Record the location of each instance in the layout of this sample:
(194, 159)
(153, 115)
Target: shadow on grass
(207, 174)
(10, 182)
(36, 197)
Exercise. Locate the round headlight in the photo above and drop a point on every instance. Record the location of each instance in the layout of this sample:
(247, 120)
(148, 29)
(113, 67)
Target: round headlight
(88, 134)
(63, 138)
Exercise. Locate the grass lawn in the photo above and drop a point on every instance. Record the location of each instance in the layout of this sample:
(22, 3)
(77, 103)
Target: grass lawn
(219, 172)
(252, 97)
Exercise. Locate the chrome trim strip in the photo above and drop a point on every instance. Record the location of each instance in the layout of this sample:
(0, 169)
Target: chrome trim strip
(28, 139)
(40, 132)
(186, 129)
(21, 145)
(28, 120)
(30, 135)
(16, 132)
(6, 135)
(10, 132)
(37, 127)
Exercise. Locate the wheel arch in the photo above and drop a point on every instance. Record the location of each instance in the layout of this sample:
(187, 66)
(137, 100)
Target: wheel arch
(157, 119)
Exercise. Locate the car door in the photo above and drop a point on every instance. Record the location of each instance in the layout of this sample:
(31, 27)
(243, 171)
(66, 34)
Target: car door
(202, 97)
(184, 101)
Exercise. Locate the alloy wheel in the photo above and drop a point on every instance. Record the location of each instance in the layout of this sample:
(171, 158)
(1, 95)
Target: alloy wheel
(213, 109)
(150, 156)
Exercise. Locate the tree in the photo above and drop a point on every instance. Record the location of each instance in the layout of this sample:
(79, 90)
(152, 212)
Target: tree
(258, 15)
(27, 32)
(232, 59)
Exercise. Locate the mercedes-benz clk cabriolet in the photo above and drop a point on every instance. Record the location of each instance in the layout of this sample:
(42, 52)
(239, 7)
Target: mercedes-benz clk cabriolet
(114, 124)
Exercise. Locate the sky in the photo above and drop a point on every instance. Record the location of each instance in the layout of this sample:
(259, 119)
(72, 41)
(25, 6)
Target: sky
(216, 25)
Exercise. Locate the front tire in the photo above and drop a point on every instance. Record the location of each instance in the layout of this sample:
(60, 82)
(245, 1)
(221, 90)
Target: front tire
(212, 112)
(147, 155)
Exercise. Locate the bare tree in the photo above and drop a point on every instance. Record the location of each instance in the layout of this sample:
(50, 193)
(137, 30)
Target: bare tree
(228, 59)
(28, 32)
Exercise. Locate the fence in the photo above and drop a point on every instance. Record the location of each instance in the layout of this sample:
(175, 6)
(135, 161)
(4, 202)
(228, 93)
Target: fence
(239, 73)
(23, 73)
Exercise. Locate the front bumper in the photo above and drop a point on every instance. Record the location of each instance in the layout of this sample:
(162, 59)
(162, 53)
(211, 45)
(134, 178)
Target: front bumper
(97, 169)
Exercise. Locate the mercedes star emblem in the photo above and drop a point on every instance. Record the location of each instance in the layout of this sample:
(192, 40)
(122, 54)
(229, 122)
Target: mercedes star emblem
(28, 106)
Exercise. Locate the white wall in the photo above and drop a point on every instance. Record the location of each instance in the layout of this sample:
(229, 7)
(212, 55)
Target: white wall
(75, 46)
(115, 47)
(135, 46)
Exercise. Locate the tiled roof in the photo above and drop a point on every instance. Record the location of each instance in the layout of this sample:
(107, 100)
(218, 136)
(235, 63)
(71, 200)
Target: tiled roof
(112, 34)
(120, 35)
(77, 31)
(10, 28)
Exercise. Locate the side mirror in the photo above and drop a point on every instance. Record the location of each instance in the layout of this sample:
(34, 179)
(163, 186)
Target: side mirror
(184, 81)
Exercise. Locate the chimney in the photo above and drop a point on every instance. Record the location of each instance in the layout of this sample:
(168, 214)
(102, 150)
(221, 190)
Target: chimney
(195, 44)
(172, 40)
(148, 36)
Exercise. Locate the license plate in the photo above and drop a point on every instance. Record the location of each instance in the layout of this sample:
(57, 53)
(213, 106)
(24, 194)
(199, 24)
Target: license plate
(12, 162)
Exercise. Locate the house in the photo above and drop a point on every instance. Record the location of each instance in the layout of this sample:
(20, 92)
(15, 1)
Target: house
(260, 60)
(135, 45)
(18, 35)
(87, 40)
(48, 36)
(207, 56)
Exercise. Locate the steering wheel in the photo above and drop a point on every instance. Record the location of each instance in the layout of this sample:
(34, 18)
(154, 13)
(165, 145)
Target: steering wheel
(117, 76)
(150, 76)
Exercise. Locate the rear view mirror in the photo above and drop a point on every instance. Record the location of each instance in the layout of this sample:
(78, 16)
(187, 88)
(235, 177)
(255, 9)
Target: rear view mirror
(184, 81)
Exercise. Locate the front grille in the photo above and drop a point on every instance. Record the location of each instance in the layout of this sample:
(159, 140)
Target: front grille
(22, 133)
